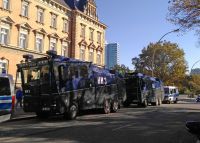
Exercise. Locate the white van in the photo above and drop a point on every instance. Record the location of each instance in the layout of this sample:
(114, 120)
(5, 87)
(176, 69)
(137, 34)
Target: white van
(171, 94)
(7, 97)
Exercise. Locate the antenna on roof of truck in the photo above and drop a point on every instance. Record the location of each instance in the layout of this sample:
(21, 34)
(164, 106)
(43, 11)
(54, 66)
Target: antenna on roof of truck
(27, 57)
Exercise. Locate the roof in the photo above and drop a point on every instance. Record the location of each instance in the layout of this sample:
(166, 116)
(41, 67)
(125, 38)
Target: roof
(77, 4)
(70, 3)
(63, 2)
(81, 5)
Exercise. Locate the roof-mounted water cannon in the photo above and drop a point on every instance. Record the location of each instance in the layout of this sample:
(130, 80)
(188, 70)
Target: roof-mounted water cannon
(51, 53)
(28, 57)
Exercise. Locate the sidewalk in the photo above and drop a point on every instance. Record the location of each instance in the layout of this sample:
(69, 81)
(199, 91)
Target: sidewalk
(20, 114)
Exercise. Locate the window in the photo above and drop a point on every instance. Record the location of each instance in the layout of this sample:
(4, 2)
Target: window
(82, 52)
(6, 4)
(39, 42)
(64, 49)
(91, 34)
(99, 37)
(65, 25)
(91, 55)
(24, 10)
(53, 44)
(53, 20)
(3, 67)
(23, 39)
(5, 86)
(40, 15)
(83, 31)
(99, 58)
(4, 36)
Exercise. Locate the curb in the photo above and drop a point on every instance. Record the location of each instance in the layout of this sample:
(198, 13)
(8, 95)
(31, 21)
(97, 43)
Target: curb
(22, 118)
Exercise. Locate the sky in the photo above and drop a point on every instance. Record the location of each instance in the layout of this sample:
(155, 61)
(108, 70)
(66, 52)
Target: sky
(134, 24)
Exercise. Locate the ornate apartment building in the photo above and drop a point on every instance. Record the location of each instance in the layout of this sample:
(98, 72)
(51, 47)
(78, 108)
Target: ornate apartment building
(70, 27)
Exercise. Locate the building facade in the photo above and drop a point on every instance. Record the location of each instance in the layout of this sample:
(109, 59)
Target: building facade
(112, 55)
(70, 27)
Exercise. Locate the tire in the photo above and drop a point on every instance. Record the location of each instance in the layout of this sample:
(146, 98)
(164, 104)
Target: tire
(115, 106)
(73, 112)
(106, 107)
(42, 115)
(175, 102)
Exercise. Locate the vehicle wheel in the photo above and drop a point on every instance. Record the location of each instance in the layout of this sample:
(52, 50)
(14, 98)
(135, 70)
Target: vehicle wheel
(145, 103)
(42, 115)
(175, 101)
(72, 113)
(115, 106)
(106, 107)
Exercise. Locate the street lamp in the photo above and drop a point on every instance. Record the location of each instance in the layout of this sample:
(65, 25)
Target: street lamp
(190, 76)
(3, 58)
(153, 56)
(193, 66)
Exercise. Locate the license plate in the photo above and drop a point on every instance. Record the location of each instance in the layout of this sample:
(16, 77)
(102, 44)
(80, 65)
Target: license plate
(46, 109)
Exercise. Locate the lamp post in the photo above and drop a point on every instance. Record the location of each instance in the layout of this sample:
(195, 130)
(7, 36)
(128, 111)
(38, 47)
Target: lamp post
(190, 76)
(153, 56)
(194, 65)
(3, 58)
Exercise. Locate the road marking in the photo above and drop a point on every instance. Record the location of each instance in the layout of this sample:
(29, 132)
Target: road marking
(125, 126)
(5, 117)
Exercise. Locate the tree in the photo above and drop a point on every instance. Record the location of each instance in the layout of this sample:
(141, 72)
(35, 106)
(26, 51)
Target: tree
(195, 84)
(169, 63)
(195, 71)
(122, 69)
(185, 13)
(191, 84)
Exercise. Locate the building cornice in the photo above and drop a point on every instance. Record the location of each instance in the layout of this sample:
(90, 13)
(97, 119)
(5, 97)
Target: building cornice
(79, 13)
(22, 50)
(58, 7)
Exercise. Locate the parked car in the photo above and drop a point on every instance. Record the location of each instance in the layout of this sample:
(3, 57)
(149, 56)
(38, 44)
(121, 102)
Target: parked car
(171, 94)
(198, 98)
(7, 97)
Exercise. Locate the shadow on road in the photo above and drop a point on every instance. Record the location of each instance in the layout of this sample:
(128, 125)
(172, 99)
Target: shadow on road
(128, 126)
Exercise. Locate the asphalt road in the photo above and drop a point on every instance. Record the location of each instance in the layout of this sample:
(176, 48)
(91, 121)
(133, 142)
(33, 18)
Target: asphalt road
(165, 124)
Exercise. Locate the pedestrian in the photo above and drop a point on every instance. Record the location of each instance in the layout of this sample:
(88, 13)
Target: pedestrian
(19, 96)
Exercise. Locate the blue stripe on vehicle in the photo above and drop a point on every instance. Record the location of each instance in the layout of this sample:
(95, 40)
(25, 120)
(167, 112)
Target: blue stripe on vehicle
(4, 106)
(5, 97)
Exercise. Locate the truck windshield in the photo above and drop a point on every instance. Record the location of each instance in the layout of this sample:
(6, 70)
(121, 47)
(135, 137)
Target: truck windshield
(166, 90)
(33, 74)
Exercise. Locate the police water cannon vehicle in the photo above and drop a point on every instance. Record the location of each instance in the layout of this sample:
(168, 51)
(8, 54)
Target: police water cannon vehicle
(142, 90)
(60, 85)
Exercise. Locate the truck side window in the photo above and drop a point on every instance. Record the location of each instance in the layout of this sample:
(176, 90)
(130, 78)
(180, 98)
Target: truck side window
(61, 76)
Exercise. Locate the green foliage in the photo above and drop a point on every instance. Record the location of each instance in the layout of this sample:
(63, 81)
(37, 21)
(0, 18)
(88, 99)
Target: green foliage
(122, 69)
(194, 84)
(185, 13)
(191, 84)
(169, 63)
